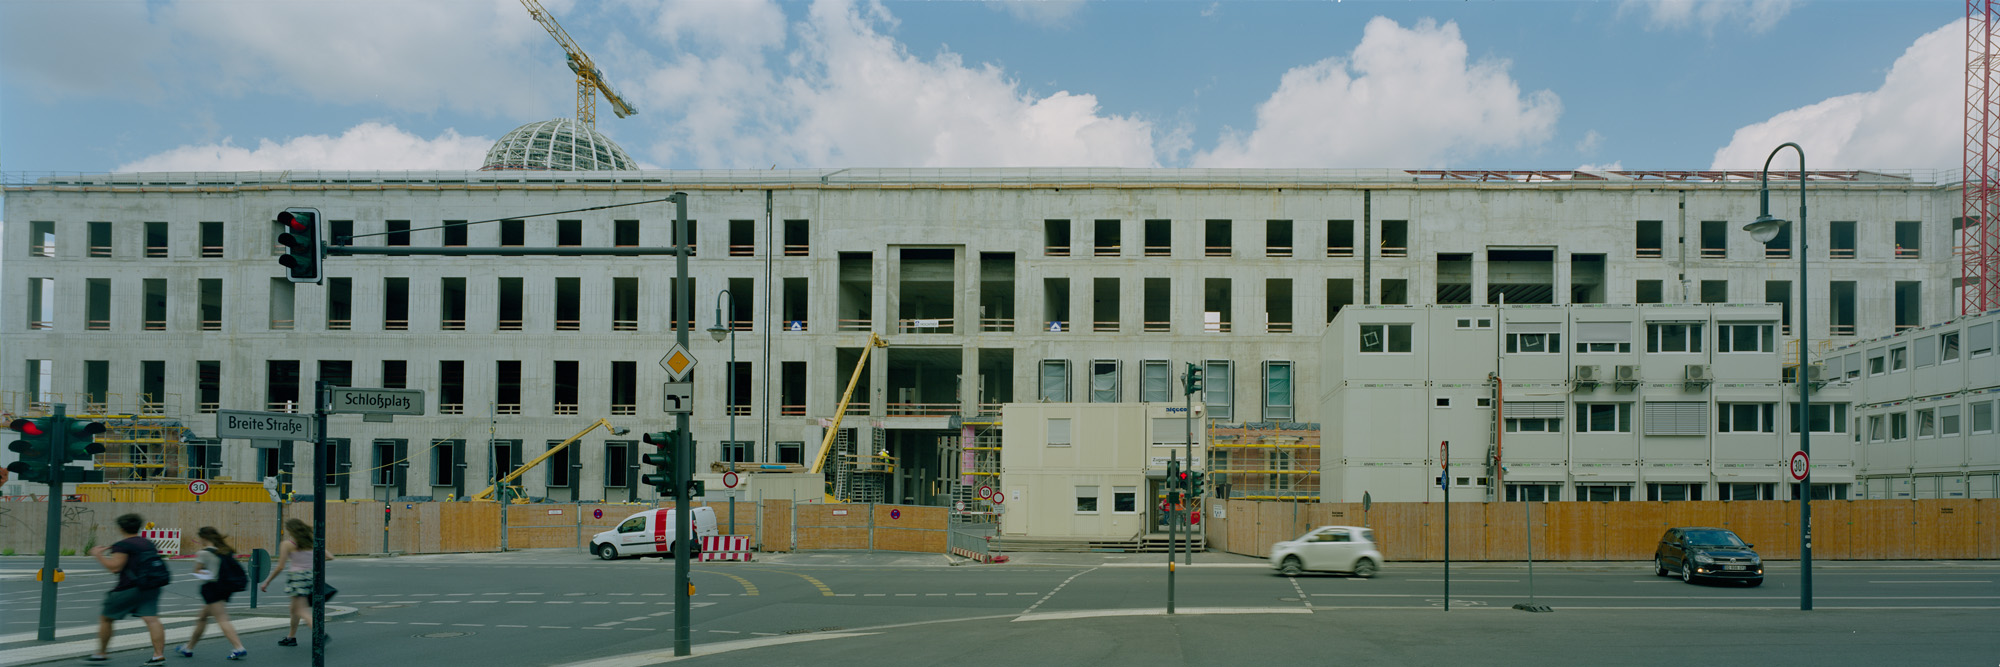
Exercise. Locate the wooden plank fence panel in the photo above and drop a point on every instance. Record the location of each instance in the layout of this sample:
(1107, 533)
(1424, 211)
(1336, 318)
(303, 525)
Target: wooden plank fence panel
(1506, 530)
(775, 526)
(1468, 531)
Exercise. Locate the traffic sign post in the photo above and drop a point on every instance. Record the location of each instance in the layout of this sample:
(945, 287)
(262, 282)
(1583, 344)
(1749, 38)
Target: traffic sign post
(1801, 467)
(197, 487)
(678, 363)
(729, 480)
(677, 397)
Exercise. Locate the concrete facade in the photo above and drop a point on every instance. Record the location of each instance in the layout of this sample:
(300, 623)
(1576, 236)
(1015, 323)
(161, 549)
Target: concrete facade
(991, 285)
(1925, 405)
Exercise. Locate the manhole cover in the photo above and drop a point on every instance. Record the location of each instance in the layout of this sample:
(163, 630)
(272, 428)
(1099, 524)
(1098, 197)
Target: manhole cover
(443, 635)
(389, 606)
(806, 630)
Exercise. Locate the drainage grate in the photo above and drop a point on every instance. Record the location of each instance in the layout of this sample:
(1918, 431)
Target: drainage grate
(443, 635)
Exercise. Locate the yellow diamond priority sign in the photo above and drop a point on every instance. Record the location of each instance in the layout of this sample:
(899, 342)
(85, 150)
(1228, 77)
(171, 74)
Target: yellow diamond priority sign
(678, 363)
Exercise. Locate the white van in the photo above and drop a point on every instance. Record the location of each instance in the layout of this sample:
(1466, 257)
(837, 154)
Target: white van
(650, 533)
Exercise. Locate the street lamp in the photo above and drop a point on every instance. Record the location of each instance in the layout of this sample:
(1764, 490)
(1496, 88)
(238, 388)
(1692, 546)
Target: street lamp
(717, 331)
(1763, 229)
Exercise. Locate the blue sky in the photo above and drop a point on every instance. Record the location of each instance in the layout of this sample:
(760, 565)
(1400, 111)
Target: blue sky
(98, 85)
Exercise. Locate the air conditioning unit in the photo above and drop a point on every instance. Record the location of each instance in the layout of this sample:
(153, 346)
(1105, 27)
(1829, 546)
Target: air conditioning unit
(1628, 374)
(1697, 376)
(1586, 374)
(1816, 373)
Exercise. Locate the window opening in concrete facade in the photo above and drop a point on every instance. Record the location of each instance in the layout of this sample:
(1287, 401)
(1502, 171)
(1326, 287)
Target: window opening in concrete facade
(211, 239)
(1277, 391)
(96, 386)
(1216, 241)
(154, 291)
(395, 304)
(1715, 291)
(1780, 292)
(1055, 305)
(569, 304)
(795, 301)
(1055, 381)
(996, 379)
(451, 387)
(1395, 291)
(42, 238)
(1586, 278)
(1339, 239)
(693, 238)
(447, 456)
(1395, 238)
(737, 395)
(624, 388)
(1454, 278)
(619, 465)
(1277, 305)
(1604, 418)
(505, 456)
(694, 312)
(208, 386)
(382, 468)
(338, 232)
(211, 304)
(507, 387)
(339, 304)
(792, 388)
(1524, 275)
(281, 385)
(856, 292)
(336, 372)
(1714, 239)
(798, 238)
(512, 308)
(152, 387)
(1104, 305)
(624, 304)
(996, 291)
(456, 233)
(1840, 308)
(742, 238)
(1647, 242)
(40, 376)
(1385, 338)
(395, 373)
(793, 451)
(569, 233)
(1780, 246)
(625, 233)
(1156, 381)
(156, 239)
(1159, 315)
(844, 359)
(565, 386)
(1107, 238)
(399, 232)
(1740, 337)
(513, 233)
(562, 467)
(1339, 294)
(1218, 393)
(1055, 238)
(451, 304)
(1217, 311)
(735, 450)
(927, 290)
(1909, 305)
(1909, 239)
(1105, 381)
(100, 239)
(42, 304)
(1648, 291)
(923, 380)
(1840, 239)
(282, 291)
(1159, 238)
(1277, 238)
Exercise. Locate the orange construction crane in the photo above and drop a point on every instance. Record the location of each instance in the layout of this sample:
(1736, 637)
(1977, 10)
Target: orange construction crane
(589, 81)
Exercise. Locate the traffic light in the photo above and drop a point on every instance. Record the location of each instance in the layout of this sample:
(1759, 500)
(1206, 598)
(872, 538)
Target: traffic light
(1191, 381)
(663, 478)
(1195, 483)
(301, 239)
(81, 441)
(1174, 471)
(33, 446)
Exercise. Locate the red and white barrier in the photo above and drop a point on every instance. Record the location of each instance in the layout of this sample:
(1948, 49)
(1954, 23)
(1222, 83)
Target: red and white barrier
(728, 547)
(977, 556)
(168, 542)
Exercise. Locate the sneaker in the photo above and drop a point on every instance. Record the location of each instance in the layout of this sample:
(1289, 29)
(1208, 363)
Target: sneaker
(289, 641)
(184, 651)
(238, 653)
(157, 660)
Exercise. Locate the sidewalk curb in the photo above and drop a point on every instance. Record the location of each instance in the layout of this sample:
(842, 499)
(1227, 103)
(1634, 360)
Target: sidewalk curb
(86, 644)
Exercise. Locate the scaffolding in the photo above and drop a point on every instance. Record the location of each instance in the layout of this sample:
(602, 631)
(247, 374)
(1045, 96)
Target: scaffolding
(860, 476)
(141, 441)
(977, 463)
(1265, 460)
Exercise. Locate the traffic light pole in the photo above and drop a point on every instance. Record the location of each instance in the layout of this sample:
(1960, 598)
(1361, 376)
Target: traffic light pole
(319, 523)
(58, 442)
(683, 539)
(1172, 530)
(1187, 496)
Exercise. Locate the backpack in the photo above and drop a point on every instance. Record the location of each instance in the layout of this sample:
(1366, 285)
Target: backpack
(230, 574)
(150, 570)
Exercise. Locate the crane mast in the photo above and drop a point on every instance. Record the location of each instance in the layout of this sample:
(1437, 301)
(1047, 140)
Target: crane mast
(589, 81)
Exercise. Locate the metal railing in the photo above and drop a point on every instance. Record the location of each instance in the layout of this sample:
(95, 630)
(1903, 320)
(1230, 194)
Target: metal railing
(923, 409)
(97, 325)
(451, 408)
(1104, 327)
(990, 408)
(1278, 327)
(35, 250)
(1649, 253)
(1107, 251)
(1777, 253)
(1056, 251)
(1840, 253)
(1159, 251)
(857, 409)
(1395, 251)
(281, 406)
(1340, 251)
(1714, 253)
(624, 410)
(281, 325)
(1216, 251)
(339, 324)
(151, 325)
(208, 408)
(508, 408)
(1055, 326)
(996, 324)
(1158, 327)
(156, 251)
(38, 325)
(563, 409)
(395, 325)
(1215, 327)
(100, 251)
(624, 325)
(797, 250)
(795, 325)
(1277, 251)
(211, 325)
(1840, 329)
(452, 325)
(1909, 253)
(853, 325)
(211, 251)
(791, 410)
(569, 325)
(736, 410)
(742, 250)
(510, 325)
(925, 325)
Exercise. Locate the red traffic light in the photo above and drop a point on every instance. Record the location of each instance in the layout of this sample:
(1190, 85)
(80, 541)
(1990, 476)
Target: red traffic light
(291, 221)
(25, 426)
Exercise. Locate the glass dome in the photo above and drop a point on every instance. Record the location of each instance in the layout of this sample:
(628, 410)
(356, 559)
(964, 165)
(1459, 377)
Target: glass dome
(562, 144)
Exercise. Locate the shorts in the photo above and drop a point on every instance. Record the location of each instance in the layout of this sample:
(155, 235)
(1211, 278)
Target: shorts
(213, 592)
(141, 602)
(299, 583)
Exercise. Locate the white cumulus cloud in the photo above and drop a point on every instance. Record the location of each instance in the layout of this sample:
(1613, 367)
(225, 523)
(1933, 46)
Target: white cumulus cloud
(1405, 97)
(1753, 15)
(364, 147)
(1913, 121)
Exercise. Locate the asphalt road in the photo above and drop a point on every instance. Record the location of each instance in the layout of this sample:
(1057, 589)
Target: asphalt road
(553, 607)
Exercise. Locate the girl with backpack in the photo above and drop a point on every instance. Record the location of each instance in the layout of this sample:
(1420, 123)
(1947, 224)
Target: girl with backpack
(217, 561)
(296, 553)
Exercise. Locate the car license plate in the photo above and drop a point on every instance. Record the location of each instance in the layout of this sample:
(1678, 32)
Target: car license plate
(1732, 567)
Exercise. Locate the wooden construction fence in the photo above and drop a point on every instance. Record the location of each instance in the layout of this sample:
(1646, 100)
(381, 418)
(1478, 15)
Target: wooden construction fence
(1588, 531)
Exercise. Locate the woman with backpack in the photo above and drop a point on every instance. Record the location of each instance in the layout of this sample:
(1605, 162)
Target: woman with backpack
(217, 561)
(296, 552)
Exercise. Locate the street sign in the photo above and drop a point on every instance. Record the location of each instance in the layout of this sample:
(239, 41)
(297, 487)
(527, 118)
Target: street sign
(597, 513)
(1367, 501)
(999, 498)
(351, 400)
(729, 479)
(985, 492)
(197, 487)
(678, 398)
(248, 425)
(1800, 466)
(895, 514)
(677, 362)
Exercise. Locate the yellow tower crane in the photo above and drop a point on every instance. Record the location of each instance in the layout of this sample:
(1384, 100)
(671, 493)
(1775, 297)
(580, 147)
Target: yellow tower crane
(588, 79)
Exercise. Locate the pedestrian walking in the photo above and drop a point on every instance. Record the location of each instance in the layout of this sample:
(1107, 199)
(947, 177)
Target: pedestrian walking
(217, 563)
(296, 552)
(141, 574)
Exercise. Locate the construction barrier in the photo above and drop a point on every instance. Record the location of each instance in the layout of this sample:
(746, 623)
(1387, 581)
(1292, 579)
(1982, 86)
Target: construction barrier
(167, 542)
(725, 548)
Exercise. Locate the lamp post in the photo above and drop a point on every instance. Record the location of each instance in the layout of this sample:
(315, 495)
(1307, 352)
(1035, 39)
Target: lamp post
(1763, 230)
(717, 331)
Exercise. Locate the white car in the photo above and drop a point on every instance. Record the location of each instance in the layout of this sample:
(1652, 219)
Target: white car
(1347, 549)
(650, 533)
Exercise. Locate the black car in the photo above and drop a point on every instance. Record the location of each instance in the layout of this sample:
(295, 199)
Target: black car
(1713, 553)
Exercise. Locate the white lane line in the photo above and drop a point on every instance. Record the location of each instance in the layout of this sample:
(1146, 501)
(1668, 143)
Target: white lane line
(1052, 592)
(1302, 593)
(1475, 581)
(484, 602)
(657, 657)
(510, 626)
(1894, 581)
(1158, 611)
(468, 625)
(422, 623)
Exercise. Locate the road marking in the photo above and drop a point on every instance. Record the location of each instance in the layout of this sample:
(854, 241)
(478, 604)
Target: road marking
(1157, 611)
(1052, 592)
(1892, 581)
(1302, 592)
(510, 626)
(656, 657)
(823, 590)
(748, 588)
(419, 623)
(468, 625)
(484, 602)
(1476, 581)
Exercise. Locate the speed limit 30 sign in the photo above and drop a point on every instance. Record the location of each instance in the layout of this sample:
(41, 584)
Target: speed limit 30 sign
(1800, 466)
